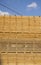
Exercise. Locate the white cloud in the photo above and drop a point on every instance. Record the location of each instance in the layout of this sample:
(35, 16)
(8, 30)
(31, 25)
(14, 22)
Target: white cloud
(4, 13)
(32, 5)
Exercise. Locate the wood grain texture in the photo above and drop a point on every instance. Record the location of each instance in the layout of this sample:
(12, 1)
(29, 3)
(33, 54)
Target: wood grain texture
(20, 40)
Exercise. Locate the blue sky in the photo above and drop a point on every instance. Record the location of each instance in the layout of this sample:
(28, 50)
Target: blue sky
(26, 7)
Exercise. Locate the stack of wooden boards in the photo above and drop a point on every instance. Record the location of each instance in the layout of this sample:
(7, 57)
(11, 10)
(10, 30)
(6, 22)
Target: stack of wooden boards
(20, 40)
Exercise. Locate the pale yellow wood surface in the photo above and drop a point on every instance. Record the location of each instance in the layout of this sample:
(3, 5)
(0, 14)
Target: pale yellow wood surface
(15, 30)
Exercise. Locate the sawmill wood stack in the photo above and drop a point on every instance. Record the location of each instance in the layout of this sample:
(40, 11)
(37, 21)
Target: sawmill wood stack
(20, 40)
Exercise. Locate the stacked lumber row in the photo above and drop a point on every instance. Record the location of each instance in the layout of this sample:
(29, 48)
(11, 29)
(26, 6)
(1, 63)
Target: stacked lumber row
(20, 27)
(20, 46)
(20, 59)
